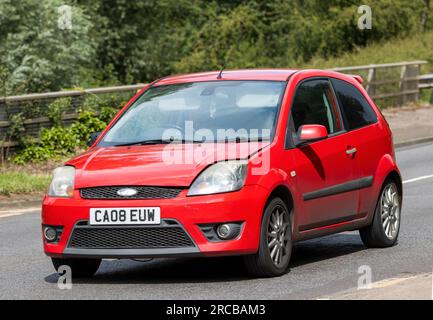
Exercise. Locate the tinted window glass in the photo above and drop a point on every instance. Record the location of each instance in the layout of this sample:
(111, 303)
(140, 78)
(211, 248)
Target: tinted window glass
(314, 104)
(356, 109)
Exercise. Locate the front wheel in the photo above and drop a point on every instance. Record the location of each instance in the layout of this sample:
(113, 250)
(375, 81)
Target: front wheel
(80, 268)
(275, 246)
(384, 230)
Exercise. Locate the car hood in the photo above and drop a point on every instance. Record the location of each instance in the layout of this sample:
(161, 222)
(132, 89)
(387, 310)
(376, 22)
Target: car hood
(174, 165)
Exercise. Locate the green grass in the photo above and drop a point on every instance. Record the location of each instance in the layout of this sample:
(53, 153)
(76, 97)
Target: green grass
(15, 182)
(417, 47)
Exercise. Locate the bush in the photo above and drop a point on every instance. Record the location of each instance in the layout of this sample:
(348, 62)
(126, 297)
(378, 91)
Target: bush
(86, 124)
(34, 154)
(58, 142)
(16, 128)
(57, 108)
(55, 143)
(107, 114)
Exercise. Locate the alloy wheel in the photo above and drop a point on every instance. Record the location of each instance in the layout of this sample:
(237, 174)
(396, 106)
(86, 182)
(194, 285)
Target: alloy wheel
(279, 236)
(390, 211)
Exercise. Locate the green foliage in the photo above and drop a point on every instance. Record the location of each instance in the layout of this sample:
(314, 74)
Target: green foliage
(121, 41)
(98, 102)
(33, 154)
(418, 47)
(55, 143)
(87, 124)
(38, 55)
(16, 128)
(58, 142)
(57, 108)
(107, 114)
(289, 33)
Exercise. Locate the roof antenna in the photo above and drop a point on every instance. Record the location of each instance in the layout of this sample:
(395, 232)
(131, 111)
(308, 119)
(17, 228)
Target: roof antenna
(220, 75)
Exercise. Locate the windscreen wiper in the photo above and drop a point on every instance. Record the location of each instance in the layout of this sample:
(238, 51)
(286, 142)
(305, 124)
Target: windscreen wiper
(155, 142)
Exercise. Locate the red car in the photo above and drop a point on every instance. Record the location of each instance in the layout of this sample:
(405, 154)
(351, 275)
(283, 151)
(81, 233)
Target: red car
(228, 163)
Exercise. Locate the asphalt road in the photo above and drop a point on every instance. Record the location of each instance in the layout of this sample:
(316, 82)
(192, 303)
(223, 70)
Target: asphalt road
(319, 267)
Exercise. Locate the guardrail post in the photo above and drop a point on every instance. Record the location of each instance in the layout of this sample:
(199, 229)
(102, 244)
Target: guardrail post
(409, 83)
(370, 86)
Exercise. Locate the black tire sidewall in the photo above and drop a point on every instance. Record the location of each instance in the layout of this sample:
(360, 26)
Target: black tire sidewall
(264, 255)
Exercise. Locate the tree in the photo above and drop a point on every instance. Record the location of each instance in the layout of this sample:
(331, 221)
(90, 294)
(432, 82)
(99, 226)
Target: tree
(37, 52)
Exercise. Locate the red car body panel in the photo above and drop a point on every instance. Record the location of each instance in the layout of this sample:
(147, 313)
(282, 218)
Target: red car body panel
(302, 171)
(142, 165)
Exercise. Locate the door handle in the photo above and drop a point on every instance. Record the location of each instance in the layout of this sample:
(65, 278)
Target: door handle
(352, 151)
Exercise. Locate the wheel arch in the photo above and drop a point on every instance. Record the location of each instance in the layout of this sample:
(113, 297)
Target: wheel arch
(283, 192)
(386, 169)
(394, 175)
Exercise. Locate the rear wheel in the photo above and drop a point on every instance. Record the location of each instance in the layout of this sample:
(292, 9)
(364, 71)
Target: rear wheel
(385, 228)
(275, 246)
(80, 268)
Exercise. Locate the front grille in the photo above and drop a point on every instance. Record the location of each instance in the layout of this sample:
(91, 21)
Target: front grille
(169, 235)
(143, 192)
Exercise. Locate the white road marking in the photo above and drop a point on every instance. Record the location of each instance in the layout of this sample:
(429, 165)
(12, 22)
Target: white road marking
(406, 287)
(18, 212)
(391, 282)
(418, 179)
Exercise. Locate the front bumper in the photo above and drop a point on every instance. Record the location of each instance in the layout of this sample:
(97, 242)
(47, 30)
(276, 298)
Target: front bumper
(245, 206)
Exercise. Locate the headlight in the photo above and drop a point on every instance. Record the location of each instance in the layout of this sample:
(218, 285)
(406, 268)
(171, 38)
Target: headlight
(63, 182)
(221, 177)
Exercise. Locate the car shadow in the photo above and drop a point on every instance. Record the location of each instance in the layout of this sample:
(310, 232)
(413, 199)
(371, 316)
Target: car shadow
(325, 248)
(223, 269)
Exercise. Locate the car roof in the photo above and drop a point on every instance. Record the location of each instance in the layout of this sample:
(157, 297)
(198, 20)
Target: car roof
(251, 74)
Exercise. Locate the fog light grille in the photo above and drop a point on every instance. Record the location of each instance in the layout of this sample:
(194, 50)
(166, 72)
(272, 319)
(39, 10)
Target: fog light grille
(131, 237)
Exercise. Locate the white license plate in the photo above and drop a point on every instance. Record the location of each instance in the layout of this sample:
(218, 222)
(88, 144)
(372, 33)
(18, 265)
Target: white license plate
(125, 216)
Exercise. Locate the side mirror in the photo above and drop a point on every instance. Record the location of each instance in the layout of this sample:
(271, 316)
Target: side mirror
(311, 133)
(93, 137)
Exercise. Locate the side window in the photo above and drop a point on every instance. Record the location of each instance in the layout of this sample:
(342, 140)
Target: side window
(314, 103)
(355, 108)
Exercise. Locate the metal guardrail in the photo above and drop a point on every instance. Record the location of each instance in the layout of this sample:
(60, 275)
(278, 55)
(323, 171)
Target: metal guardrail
(50, 96)
(70, 93)
(426, 82)
(408, 80)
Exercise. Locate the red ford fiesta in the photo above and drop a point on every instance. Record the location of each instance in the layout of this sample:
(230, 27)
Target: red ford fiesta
(233, 163)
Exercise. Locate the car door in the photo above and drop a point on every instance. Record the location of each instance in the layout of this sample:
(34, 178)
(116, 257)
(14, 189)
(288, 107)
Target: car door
(326, 170)
(368, 137)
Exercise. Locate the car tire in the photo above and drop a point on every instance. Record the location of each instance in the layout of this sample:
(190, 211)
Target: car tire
(80, 268)
(383, 233)
(275, 237)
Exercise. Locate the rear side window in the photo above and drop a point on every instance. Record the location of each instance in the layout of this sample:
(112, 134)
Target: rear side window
(314, 104)
(355, 108)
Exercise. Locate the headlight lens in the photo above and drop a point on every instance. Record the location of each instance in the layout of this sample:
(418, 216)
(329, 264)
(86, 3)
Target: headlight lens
(63, 182)
(221, 177)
